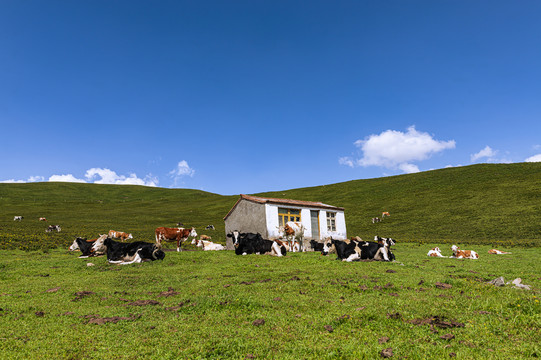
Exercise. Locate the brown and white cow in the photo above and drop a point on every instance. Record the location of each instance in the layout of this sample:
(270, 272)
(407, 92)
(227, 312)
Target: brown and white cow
(497, 252)
(385, 213)
(293, 232)
(119, 235)
(463, 254)
(174, 234)
(435, 252)
(42, 219)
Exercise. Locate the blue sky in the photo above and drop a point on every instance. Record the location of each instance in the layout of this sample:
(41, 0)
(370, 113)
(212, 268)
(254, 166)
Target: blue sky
(248, 96)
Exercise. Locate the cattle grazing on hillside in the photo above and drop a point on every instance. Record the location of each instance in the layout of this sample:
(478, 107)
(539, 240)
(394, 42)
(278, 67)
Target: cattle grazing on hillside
(129, 253)
(463, 254)
(174, 234)
(385, 213)
(435, 252)
(250, 243)
(42, 219)
(210, 227)
(497, 252)
(376, 220)
(18, 218)
(207, 245)
(293, 233)
(53, 228)
(119, 235)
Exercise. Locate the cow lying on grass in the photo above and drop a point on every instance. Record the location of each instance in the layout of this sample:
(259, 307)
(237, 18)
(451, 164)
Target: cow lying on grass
(250, 243)
(497, 252)
(129, 253)
(86, 246)
(435, 252)
(463, 254)
(357, 249)
(316, 246)
(207, 245)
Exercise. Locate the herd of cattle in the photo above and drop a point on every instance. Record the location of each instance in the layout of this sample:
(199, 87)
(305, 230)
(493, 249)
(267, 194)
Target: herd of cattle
(244, 243)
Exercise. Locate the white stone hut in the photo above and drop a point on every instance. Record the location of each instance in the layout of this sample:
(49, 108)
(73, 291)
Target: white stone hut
(265, 216)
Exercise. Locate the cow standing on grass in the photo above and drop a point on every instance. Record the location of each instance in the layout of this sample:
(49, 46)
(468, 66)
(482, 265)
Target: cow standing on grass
(174, 234)
(293, 232)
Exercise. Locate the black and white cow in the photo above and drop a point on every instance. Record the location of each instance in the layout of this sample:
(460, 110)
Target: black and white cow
(18, 218)
(357, 249)
(129, 253)
(84, 245)
(210, 227)
(316, 246)
(53, 227)
(386, 243)
(250, 243)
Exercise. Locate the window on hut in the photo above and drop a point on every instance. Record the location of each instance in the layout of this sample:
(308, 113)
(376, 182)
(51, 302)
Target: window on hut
(285, 215)
(331, 221)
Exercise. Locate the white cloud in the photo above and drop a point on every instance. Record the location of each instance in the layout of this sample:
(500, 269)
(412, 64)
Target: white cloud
(487, 153)
(107, 176)
(13, 181)
(65, 178)
(397, 150)
(182, 169)
(409, 168)
(535, 158)
(30, 179)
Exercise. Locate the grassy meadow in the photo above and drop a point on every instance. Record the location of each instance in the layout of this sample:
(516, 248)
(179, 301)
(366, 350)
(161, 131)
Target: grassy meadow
(215, 305)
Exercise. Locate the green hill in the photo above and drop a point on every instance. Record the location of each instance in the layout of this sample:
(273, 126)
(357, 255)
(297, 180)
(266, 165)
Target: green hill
(487, 203)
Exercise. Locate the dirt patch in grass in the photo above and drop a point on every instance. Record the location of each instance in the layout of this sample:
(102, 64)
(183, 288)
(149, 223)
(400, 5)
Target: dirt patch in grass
(81, 294)
(169, 292)
(144, 303)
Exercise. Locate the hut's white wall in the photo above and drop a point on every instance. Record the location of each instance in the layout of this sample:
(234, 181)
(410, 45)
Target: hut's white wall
(340, 233)
(271, 212)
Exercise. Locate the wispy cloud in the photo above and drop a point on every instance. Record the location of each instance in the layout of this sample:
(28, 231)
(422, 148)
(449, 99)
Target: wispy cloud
(397, 150)
(182, 170)
(487, 153)
(97, 176)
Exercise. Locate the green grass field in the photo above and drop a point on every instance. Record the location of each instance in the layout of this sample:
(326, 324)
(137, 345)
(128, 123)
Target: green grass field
(215, 305)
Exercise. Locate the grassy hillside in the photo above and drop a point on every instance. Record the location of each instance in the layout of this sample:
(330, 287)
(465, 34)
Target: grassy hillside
(497, 203)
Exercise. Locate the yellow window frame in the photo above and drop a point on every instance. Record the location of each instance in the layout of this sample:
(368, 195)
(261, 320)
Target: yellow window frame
(286, 214)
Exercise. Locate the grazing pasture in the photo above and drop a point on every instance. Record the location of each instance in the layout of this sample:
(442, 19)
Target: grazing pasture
(215, 305)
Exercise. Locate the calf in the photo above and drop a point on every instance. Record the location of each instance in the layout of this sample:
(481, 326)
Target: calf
(129, 253)
(497, 252)
(435, 252)
(53, 227)
(119, 235)
(463, 254)
(250, 243)
(207, 245)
